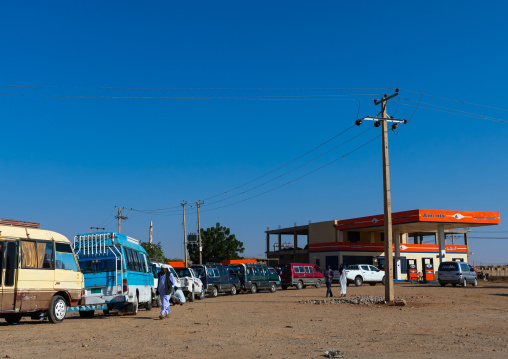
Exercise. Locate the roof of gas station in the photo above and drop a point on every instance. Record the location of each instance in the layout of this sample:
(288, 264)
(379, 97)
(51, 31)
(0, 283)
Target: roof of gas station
(421, 220)
(414, 221)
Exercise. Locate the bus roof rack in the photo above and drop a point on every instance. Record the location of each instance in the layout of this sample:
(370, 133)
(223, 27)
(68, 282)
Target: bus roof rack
(15, 223)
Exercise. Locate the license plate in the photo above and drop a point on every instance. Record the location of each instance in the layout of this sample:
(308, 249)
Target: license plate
(96, 290)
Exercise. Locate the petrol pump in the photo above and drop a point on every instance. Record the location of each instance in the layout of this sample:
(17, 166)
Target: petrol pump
(428, 269)
(411, 270)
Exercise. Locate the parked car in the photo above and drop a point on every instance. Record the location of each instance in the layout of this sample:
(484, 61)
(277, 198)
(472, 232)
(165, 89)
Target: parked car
(456, 273)
(273, 276)
(190, 284)
(300, 275)
(364, 273)
(254, 277)
(217, 279)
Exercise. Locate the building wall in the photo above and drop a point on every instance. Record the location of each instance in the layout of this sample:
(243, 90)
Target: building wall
(322, 232)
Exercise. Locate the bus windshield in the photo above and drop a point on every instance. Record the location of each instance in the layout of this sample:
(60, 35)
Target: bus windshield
(98, 265)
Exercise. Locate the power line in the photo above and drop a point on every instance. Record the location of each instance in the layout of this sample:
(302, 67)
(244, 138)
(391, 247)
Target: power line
(296, 179)
(198, 88)
(292, 170)
(284, 165)
(459, 114)
(452, 109)
(459, 101)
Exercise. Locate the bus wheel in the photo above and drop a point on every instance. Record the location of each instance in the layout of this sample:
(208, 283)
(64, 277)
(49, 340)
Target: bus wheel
(233, 290)
(148, 305)
(318, 284)
(273, 288)
(253, 288)
(13, 318)
(214, 292)
(299, 285)
(134, 306)
(57, 309)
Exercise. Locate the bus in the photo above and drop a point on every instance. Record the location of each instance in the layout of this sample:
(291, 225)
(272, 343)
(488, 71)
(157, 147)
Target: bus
(39, 274)
(117, 272)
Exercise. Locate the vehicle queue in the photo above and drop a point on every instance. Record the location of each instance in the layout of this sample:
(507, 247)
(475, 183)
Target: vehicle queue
(44, 276)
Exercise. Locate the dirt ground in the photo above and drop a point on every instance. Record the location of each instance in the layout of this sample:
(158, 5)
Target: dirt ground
(449, 322)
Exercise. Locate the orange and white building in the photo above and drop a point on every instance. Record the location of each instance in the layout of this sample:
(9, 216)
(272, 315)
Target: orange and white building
(421, 237)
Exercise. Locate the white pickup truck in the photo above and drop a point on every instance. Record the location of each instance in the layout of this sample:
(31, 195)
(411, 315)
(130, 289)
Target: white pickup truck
(190, 283)
(360, 273)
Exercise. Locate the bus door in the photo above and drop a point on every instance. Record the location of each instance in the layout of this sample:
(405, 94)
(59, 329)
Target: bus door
(428, 269)
(412, 270)
(8, 268)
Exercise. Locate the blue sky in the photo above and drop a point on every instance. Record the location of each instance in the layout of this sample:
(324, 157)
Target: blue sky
(115, 117)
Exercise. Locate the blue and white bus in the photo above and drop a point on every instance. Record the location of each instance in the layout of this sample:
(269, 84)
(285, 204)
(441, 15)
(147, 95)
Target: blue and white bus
(116, 271)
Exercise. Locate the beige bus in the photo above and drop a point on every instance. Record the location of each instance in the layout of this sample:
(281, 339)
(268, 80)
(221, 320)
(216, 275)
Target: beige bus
(39, 273)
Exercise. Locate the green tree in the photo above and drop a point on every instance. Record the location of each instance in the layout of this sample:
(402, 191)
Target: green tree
(218, 244)
(154, 250)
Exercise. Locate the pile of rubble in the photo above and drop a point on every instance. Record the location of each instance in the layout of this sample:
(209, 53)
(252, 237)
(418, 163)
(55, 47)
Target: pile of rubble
(357, 300)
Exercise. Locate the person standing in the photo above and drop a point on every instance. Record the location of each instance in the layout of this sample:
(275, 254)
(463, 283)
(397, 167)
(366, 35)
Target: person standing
(342, 280)
(166, 286)
(328, 279)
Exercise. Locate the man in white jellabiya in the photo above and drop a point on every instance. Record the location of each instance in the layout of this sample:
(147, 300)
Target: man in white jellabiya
(166, 287)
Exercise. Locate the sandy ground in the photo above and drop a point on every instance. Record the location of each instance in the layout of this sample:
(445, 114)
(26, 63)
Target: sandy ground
(449, 322)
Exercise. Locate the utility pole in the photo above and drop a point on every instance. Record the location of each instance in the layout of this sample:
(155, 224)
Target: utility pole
(120, 217)
(184, 203)
(150, 234)
(198, 203)
(388, 239)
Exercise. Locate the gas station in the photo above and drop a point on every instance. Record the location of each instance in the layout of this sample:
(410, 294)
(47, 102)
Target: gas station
(422, 239)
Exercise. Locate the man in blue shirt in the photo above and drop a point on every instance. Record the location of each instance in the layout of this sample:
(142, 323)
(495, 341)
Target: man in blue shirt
(328, 279)
(166, 286)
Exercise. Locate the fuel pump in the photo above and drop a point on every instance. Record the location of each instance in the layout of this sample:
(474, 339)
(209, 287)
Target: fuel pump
(428, 269)
(411, 270)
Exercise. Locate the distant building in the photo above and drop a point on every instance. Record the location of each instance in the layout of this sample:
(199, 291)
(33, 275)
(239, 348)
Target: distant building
(421, 237)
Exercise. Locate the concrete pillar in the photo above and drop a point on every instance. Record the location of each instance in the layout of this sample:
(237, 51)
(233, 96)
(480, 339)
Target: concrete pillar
(295, 244)
(441, 242)
(421, 239)
(267, 244)
(372, 237)
(415, 239)
(340, 236)
(396, 246)
(404, 239)
(466, 242)
(280, 242)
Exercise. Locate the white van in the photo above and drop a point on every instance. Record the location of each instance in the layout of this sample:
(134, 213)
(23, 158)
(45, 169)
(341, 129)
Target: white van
(39, 273)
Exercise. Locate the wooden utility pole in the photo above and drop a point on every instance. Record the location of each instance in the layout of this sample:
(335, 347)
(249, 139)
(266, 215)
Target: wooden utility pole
(198, 203)
(184, 203)
(388, 235)
(120, 217)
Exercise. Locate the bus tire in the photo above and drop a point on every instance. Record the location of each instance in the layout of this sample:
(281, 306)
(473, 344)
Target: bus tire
(233, 290)
(299, 285)
(148, 305)
(133, 307)
(13, 318)
(318, 284)
(253, 288)
(273, 288)
(57, 309)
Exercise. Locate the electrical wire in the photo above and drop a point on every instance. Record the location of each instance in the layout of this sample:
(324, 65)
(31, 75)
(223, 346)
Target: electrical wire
(459, 101)
(459, 114)
(292, 170)
(198, 88)
(447, 108)
(296, 179)
(284, 165)
(238, 98)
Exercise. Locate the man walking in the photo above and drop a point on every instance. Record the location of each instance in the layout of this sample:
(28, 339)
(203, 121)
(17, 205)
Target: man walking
(328, 279)
(165, 288)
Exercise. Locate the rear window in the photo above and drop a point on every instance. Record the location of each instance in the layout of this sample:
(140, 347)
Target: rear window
(449, 267)
(285, 269)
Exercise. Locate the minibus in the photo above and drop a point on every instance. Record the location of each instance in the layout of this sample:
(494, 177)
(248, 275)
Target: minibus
(39, 274)
(254, 277)
(116, 271)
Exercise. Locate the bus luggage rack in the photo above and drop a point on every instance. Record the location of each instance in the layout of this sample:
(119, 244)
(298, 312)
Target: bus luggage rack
(93, 244)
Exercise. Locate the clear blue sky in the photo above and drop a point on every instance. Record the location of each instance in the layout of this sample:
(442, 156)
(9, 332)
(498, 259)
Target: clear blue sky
(70, 154)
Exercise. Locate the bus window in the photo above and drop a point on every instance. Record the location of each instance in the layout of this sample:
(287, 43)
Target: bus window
(64, 257)
(98, 265)
(10, 263)
(48, 256)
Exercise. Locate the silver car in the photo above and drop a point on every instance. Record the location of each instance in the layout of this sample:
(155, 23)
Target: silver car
(456, 273)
